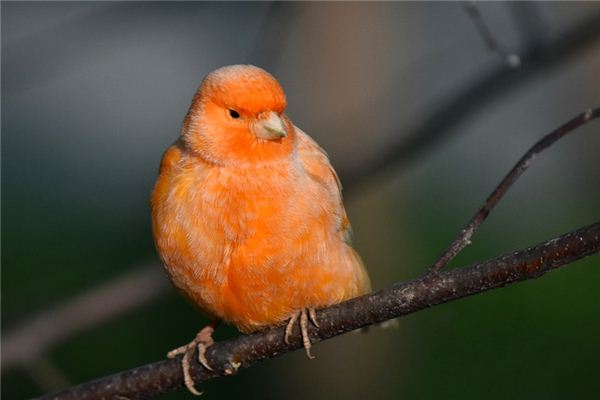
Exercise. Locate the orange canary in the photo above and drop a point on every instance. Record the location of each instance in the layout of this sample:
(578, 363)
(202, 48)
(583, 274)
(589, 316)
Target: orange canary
(247, 212)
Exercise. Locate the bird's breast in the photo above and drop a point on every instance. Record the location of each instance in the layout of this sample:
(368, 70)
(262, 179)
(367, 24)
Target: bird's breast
(227, 234)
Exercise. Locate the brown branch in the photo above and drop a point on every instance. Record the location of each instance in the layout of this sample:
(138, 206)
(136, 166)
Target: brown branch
(464, 238)
(399, 300)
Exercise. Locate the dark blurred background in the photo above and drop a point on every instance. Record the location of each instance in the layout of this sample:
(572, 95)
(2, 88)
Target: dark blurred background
(420, 118)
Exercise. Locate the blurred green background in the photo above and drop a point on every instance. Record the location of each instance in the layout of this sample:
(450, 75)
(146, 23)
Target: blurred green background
(92, 93)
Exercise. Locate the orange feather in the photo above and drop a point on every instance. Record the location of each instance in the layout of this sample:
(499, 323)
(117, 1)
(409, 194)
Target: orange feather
(247, 213)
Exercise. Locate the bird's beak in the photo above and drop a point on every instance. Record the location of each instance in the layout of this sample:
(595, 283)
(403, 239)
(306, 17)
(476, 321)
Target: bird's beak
(270, 126)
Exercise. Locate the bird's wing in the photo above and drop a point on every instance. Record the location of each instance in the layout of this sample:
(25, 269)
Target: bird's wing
(316, 163)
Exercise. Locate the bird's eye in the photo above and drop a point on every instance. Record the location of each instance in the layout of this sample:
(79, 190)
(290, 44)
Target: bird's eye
(234, 114)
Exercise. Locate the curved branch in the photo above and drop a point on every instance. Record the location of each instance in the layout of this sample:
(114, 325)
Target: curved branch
(396, 301)
(464, 238)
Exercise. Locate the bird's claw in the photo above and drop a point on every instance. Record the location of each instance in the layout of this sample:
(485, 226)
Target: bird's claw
(187, 377)
(304, 316)
(201, 342)
(202, 356)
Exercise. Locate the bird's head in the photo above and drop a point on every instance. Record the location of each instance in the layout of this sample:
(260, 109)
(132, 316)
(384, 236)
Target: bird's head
(237, 117)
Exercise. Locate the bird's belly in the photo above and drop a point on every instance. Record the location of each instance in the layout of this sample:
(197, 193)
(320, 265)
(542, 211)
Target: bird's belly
(256, 257)
(281, 279)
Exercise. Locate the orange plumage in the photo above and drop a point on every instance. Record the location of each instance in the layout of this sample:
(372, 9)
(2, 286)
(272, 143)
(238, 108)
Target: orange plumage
(247, 213)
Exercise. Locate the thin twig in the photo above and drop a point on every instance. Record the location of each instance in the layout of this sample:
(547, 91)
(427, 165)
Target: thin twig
(511, 59)
(464, 238)
(399, 300)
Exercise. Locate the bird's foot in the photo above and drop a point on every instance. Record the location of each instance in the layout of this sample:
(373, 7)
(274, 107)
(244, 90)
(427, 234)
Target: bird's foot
(201, 342)
(304, 316)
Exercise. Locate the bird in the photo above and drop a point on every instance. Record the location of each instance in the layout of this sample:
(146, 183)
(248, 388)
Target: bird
(247, 214)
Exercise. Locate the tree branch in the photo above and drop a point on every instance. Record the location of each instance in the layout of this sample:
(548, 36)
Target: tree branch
(401, 299)
(464, 238)
(398, 300)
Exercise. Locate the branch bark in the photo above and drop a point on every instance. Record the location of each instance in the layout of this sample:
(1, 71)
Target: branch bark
(464, 238)
(396, 301)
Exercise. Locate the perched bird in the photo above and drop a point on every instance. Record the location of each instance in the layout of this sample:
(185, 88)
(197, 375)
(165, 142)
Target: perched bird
(247, 213)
